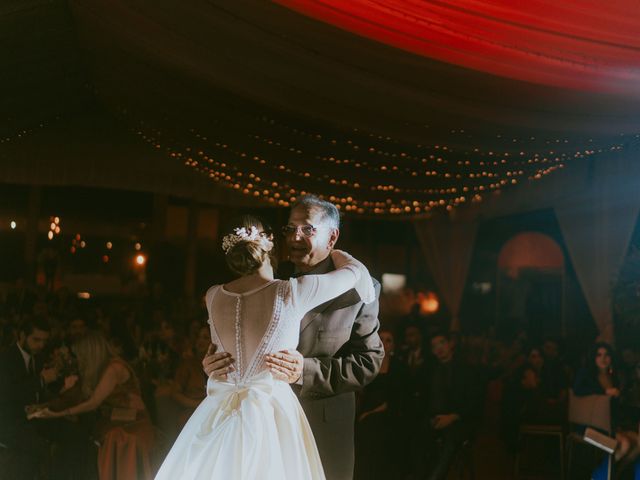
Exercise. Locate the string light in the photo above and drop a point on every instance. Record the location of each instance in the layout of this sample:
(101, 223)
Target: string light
(54, 227)
(26, 132)
(364, 173)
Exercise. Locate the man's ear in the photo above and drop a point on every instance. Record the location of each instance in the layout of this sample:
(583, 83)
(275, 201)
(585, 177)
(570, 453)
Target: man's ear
(333, 237)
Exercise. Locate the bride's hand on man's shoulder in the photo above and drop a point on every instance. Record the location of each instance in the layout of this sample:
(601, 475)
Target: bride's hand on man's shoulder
(217, 365)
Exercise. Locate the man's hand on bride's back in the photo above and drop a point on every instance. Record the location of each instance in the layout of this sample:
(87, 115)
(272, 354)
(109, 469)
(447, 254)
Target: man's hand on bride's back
(217, 365)
(286, 365)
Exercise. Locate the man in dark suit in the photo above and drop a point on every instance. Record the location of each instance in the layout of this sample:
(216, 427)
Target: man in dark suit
(24, 382)
(339, 351)
(453, 397)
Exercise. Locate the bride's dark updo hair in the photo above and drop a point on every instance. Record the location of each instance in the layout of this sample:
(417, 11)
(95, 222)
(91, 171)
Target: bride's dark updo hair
(246, 256)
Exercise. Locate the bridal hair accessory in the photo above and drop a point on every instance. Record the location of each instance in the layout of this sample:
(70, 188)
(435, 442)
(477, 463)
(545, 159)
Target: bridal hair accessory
(242, 235)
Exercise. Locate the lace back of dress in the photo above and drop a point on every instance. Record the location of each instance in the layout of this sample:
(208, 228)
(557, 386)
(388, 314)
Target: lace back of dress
(270, 336)
(238, 374)
(235, 324)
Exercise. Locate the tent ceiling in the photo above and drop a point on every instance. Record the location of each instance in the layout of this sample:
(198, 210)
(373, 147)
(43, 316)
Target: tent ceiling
(574, 44)
(273, 103)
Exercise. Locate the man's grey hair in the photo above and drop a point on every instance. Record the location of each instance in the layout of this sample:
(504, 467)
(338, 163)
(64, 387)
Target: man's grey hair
(330, 213)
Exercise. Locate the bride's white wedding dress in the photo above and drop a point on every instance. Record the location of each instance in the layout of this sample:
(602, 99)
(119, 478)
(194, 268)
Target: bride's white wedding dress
(252, 426)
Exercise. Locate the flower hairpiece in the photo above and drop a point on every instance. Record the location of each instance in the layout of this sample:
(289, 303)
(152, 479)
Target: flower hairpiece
(241, 234)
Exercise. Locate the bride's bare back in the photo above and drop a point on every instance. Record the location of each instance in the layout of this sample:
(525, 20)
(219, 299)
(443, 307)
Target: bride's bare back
(266, 319)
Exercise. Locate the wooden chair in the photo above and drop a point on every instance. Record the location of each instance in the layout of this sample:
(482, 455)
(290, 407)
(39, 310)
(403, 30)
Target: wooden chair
(555, 432)
(592, 411)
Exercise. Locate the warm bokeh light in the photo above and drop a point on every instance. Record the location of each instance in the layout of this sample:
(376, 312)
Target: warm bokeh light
(109, 245)
(50, 235)
(57, 230)
(105, 259)
(56, 220)
(141, 260)
(84, 295)
(393, 282)
(429, 303)
(13, 225)
(138, 246)
(52, 226)
(83, 244)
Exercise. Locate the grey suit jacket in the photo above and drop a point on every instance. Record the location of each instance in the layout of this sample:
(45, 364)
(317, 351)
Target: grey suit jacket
(342, 353)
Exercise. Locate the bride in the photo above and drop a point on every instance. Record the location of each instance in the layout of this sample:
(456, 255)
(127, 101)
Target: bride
(250, 425)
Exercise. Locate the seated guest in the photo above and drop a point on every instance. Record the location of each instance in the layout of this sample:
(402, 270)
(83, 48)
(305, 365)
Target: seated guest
(189, 382)
(76, 329)
(23, 382)
(555, 373)
(453, 398)
(379, 441)
(163, 350)
(412, 353)
(534, 394)
(189, 388)
(599, 376)
(123, 427)
(412, 356)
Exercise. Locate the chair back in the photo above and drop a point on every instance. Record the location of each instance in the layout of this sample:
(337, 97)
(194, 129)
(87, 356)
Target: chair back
(590, 410)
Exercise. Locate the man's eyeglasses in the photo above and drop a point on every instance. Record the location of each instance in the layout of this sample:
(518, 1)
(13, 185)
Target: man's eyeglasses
(305, 230)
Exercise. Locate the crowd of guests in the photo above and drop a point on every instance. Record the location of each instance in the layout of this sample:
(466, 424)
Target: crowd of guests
(421, 409)
(95, 389)
(435, 390)
(101, 389)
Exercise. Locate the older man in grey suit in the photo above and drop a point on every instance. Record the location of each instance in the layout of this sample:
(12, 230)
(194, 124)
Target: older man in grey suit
(339, 351)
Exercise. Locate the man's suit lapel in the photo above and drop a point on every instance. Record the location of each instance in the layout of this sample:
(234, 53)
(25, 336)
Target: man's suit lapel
(308, 320)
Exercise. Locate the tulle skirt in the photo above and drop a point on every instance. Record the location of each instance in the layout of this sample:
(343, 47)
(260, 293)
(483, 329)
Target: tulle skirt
(254, 430)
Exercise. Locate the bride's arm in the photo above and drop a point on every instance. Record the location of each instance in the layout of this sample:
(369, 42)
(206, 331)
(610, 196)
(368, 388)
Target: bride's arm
(314, 290)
